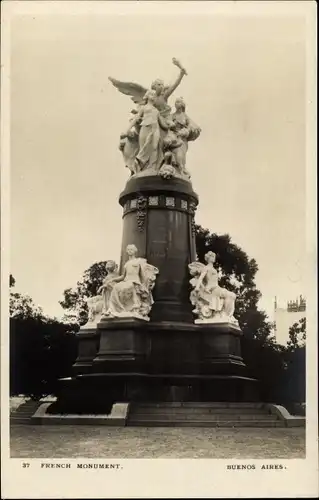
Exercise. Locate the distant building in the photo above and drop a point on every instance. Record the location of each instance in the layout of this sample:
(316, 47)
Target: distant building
(286, 317)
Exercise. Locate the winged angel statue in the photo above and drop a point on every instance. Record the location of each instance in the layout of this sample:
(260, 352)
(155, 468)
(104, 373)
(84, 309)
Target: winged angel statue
(156, 140)
(213, 304)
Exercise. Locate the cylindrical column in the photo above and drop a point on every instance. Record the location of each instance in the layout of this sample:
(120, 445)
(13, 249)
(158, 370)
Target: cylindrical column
(159, 219)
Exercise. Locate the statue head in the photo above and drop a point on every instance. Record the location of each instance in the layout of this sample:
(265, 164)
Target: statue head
(150, 96)
(180, 104)
(158, 86)
(131, 250)
(210, 257)
(111, 266)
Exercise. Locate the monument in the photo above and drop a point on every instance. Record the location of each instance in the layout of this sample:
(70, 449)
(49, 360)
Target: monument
(161, 328)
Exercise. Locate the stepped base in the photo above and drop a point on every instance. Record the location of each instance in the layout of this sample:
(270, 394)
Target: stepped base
(202, 415)
(179, 414)
(23, 414)
(128, 360)
(96, 393)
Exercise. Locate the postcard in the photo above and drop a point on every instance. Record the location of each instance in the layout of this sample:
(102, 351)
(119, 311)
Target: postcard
(158, 249)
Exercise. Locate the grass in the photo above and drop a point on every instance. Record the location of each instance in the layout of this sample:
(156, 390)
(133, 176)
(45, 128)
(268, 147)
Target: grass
(55, 441)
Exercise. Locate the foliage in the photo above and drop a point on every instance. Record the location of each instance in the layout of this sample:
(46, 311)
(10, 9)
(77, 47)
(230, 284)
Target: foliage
(297, 335)
(74, 301)
(22, 306)
(294, 382)
(42, 349)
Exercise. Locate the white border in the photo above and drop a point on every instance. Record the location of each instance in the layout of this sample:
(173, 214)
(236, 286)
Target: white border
(164, 478)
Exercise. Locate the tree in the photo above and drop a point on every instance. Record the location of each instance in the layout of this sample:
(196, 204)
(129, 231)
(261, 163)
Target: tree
(22, 306)
(42, 349)
(294, 379)
(74, 301)
(297, 335)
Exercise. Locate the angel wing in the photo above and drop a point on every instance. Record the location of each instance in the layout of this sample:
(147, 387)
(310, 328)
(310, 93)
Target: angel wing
(134, 90)
(195, 268)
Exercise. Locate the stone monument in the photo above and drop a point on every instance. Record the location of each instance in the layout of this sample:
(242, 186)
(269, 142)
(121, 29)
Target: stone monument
(161, 329)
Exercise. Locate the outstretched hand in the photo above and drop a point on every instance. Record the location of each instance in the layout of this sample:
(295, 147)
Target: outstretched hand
(178, 64)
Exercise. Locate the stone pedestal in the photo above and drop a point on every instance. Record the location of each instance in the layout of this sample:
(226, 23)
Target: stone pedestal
(131, 360)
(168, 358)
(88, 346)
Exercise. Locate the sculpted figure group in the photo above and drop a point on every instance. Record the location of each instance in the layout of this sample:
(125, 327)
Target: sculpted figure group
(128, 295)
(156, 140)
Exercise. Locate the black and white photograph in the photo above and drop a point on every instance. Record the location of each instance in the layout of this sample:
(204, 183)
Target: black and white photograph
(158, 249)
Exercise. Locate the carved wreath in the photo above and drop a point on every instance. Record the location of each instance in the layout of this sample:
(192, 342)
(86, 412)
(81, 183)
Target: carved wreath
(141, 212)
(192, 210)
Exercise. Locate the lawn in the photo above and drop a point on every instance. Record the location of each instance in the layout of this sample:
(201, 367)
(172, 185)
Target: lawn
(81, 441)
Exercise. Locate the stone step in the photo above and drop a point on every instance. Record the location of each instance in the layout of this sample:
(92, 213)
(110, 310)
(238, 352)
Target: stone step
(18, 420)
(196, 404)
(206, 414)
(200, 411)
(26, 410)
(207, 423)
(29, 405)
(210, 417)
(23, 414)
(13, 417)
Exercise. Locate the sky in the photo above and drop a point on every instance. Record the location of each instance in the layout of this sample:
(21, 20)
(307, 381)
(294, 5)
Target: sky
(245, 88)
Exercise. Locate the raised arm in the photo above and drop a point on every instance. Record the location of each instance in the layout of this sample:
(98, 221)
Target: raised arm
(201, 279)
(174, 86)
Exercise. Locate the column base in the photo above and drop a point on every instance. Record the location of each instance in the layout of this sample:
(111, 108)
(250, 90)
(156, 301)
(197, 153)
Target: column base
(154, 362)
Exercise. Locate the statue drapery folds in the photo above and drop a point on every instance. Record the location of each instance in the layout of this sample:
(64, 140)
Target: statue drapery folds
(128, 295)
(212, 303)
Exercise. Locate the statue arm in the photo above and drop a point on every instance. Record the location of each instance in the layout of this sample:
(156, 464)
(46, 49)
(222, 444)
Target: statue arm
(201, 279)
(174, 85)
(119, 278)
(102, 287)
(135, 120)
